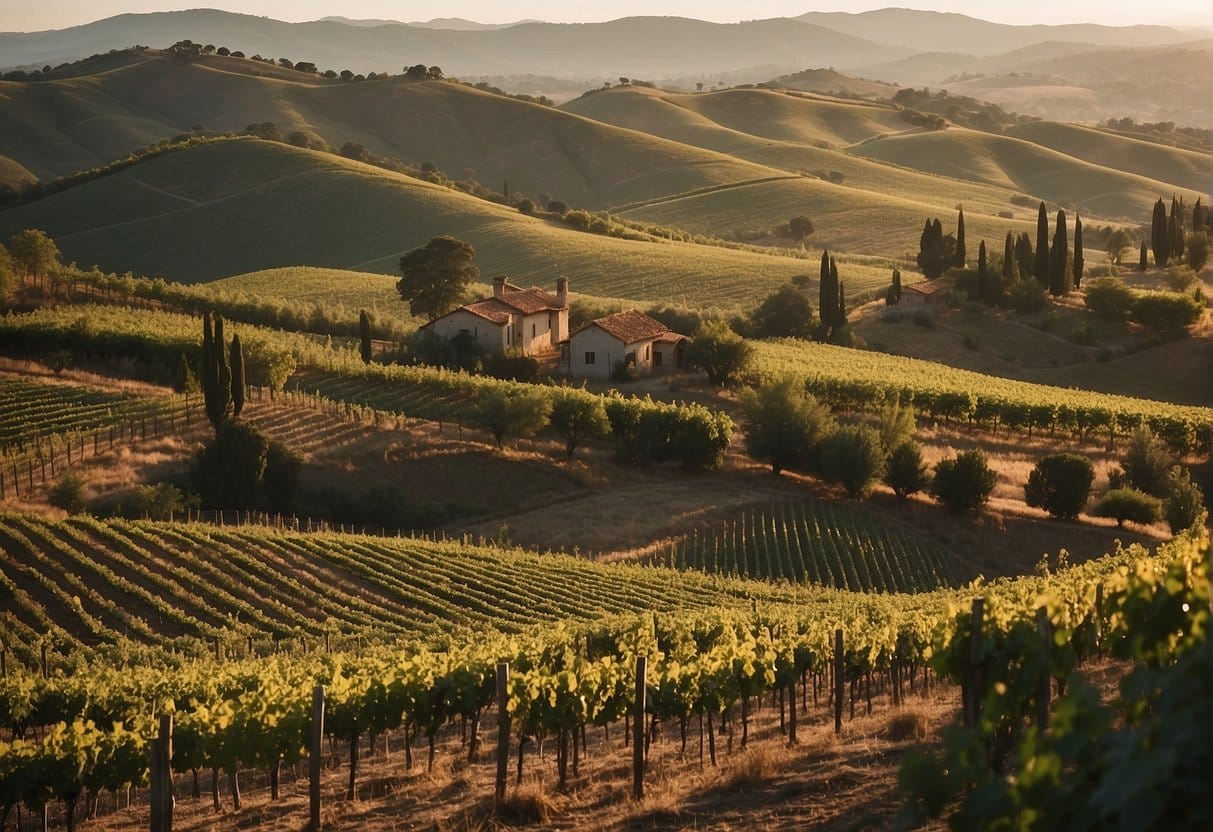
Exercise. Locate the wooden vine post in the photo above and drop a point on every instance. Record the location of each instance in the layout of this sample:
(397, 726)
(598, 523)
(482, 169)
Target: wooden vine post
(315, 758)
(972, 684)
(839, 680)
(1045, 631)
(638, 722)
(161, 777)
(503, 729)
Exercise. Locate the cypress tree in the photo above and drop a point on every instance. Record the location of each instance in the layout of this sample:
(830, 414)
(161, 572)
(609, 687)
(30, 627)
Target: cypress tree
(1059, 278)
(506, 191)
(982, 276)
(1198, 216)
(1144, 263)
(1160, 242)
(1008, 260)
(239, 385)
(219, 400)
(364, 336)
(1024, 257)
(897, 285)
(840, 319)
(1041, 268)
(1175, 228)
(206, 368)
(960, 240)
(1077, 251)
(825, 300)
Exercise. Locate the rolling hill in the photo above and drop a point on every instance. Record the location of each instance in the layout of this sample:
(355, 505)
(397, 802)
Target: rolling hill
(91, 117)
(275, 205)
(637, 46)
(13, 174)
(1030, 168)
(910, 28)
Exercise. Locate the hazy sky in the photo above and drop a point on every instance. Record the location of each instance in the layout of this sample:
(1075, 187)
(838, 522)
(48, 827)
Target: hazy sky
(29, 15)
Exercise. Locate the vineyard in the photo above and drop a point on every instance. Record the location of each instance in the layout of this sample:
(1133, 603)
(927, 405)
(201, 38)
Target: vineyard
(823, 543)
(861, 380)
(30, 410)
(95, 723)
(85, 583)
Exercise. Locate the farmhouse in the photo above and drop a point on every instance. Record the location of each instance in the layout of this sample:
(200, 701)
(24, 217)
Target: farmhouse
(631, 337)
(531, 321)
(920, 293)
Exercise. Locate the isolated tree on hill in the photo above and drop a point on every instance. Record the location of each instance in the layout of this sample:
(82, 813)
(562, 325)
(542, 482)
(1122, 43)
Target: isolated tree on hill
(1160, 240)
(364, 336)
(436, 275)
(239, 383)
(34, 255)
(1199, 216)
(1059, 276)
(1041, 268)
(961, 257)
(513, 413)
(800, 227)
(893, 294)
(1078, 259)
(905, 472)
(1118, 240)
(417, 72)
(1143, 263)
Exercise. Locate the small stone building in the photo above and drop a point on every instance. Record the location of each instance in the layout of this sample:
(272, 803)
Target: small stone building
(625, 338)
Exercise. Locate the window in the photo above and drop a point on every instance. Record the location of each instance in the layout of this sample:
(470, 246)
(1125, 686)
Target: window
(589, 358)
(532, 330)
(646, 352)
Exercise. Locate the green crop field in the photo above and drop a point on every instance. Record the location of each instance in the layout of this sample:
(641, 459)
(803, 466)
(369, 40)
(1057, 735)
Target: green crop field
(161, 214)
(826, 543)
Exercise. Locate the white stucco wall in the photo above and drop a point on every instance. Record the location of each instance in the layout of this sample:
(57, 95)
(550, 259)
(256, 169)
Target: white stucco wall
(485, 333)
(608, 351)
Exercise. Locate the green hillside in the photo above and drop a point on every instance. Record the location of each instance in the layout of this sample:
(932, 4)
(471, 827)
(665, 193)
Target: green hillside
(1021, 165)
(242, 205)
(58, 127)
(1181, 168)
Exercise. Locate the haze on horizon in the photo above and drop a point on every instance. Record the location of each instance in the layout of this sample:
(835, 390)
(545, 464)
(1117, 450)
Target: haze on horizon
(18, 16)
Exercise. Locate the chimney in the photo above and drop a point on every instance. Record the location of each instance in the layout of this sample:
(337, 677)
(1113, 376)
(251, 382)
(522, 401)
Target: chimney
(562, 292)
(498, 285)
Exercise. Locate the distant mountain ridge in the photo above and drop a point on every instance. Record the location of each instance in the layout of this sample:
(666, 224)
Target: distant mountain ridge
(645, 47)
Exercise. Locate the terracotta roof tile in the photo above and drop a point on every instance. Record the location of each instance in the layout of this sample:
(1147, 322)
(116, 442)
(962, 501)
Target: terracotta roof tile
(529, 301)
(929, 287)
(629, 327)
(490, 309)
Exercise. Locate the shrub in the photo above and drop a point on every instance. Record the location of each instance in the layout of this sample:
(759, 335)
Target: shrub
(852, 455)
(1147, 462)
(228, 472)
(905, 472)
(923, 318)
(784, 423)
(162, 501)
(1179, 278)
(513, 365)
(1026, 296)
(281, 478)
(577, 417)
(1167, 314)
(1128, 504)
(1109, 297)
(1060, 484)
(963, 483)
(1198, 250)
(505, 413)
(786, 313)
(525, 206)
(719, 351)
(1185, 507)
(898, 423)
(68, 494)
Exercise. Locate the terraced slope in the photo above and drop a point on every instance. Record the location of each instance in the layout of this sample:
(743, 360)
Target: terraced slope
(273, 205)
(86, 581)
